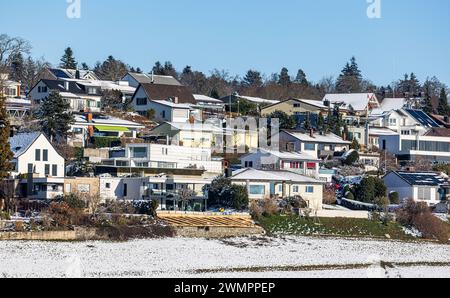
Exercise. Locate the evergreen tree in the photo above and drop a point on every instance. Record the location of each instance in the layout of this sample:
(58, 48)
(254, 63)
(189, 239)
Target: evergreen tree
(301, 78)
(158, 69)
(443, 108)
(252, 79)
(5, 151)
(284, 78)
(427, 103)
(68, 60)
(321, 123)
(84, 66)
(54, 115)
(350, 79)
(17, 72)
(111, 69)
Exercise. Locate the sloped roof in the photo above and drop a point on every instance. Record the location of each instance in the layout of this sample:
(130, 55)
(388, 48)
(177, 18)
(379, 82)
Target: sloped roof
(390, 104)
(143, 78)
(421, 117)
(21, 142)
(359, 101)
(422, 178)
(438, 132)
(164, 92)
(329, 138)
(204, 98)
(62, 73)
(57, 85)
(272, 176)
(301, 156)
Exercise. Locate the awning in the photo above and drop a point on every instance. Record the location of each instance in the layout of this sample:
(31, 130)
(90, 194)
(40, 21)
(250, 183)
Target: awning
(102, 128)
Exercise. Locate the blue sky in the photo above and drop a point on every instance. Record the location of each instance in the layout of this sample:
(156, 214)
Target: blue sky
(318, 36)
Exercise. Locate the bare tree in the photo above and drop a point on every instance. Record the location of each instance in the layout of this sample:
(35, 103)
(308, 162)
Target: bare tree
(185, 197)
(10, 47)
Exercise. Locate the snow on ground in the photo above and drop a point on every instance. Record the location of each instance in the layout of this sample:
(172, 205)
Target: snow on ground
(238, 257)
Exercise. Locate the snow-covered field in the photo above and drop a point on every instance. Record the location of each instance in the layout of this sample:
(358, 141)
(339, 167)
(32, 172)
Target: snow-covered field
(240, 257)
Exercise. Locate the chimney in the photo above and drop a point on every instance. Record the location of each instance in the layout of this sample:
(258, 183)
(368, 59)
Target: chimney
(66, 85)
(77, 74)
(311, 132)
(175, 100)
(153, 77)
(446, 118)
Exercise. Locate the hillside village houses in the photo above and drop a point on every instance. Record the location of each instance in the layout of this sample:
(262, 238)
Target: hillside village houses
(180, 151)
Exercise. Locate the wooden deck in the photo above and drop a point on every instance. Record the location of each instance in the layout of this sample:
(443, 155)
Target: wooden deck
(228, 221)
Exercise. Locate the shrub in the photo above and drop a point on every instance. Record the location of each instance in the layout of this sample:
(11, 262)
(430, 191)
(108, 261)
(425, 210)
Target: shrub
(352, 158)
(350, 196)
(329, 196)
(222, 193)
(419, 216)
(269, 207)
(73, 201)
(19, 226)
(104, 142)
(4, 216)
(119, 207)
(394, 198)
(147, 207)
(61, 213)
(256, 210)
(369, 189)
(239, 197)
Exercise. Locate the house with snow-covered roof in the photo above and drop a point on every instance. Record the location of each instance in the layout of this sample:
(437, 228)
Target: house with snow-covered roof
(38, 167)
(359, 104)
(262, 184)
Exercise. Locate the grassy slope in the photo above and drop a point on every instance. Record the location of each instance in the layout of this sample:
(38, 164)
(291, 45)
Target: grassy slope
(287, 225)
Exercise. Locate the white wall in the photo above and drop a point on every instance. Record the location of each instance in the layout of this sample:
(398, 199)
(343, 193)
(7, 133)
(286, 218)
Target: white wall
(136, 188)
(28, 157)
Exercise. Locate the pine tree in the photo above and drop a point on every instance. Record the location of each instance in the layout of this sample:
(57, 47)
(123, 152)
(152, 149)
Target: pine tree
(301, 78)
(321, 123)
(443, 108)
(84, 66)
(252, 79)
(350, 79)
(17, 68)
(54, 115)
(67, 60)
(427, 104)
(5, 151)
(284, 79)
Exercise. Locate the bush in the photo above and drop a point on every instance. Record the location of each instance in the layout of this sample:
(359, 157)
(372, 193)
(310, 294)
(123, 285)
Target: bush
(73, 201)
(352, 158)
(61, 213)
(147, 207)
(105, 142)
(256, 210)
(239, 197)
(5, 216)
(119, 207)
(394, 198)
(329, 196)
(222, 193)
(419, 216)
(350, 196)
(369, 189)
(269, 207)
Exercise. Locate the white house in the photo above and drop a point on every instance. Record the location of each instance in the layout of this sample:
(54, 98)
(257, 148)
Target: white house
(433, 145)
(165, 110)
(315, 144)
(38, 166)
(280, 184)
(427, 187)
(209, 106)
(165, 157)
(81, 99)
(300, 163)
(148, 92)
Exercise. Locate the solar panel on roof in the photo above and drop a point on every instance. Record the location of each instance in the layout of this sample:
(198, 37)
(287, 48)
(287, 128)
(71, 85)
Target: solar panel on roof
(422, 118)
(60, 74)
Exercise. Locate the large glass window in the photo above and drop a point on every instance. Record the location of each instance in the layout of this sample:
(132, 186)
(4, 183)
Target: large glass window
(424, 194)
(139, 152)
(257, 189)
(310, 147)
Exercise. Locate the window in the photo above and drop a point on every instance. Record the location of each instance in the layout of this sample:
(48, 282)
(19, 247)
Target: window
(280, 188)
(108, 185)
(125, 189)
(311, 166)
(139, 152)
(141, 101)
(37, 155)
(45, 155)
(392, 122)
(55, 170)
(163, 114)
(310, 147)
(296, 189)
(165, 151)
(424, 194)
(257, 189)
(309, 189)
(297, 105)
(249, 164)
(30, 168)
(47, 170)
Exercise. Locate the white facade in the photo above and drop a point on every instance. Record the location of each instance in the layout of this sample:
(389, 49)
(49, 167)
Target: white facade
(36, 158)
(409, 147)
(167, 157)
(419, 193)
(299, 163)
